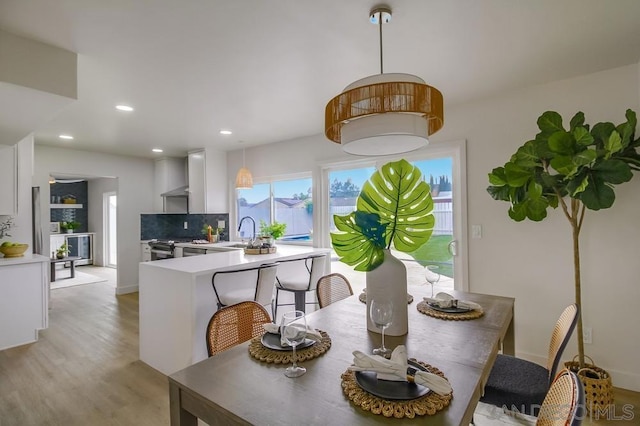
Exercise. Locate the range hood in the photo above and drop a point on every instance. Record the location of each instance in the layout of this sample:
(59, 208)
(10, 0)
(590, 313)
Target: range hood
(183, 191)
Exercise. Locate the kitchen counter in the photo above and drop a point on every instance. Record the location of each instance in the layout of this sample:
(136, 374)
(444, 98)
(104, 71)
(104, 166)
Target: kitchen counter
(177, 301)
(24, 299)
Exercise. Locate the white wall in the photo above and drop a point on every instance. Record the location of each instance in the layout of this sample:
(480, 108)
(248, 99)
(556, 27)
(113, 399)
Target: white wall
(96, 189)
(530, 261)
(135, 195)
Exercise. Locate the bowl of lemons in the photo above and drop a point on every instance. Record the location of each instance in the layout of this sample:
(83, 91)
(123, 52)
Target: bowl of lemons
(10, 249)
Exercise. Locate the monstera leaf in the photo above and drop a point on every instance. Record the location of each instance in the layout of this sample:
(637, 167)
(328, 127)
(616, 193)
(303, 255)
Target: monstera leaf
(394, 208)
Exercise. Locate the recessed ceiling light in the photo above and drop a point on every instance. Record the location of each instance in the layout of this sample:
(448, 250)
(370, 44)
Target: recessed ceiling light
(124, 108)
(68, 137)
(225, 132)
(156, 150)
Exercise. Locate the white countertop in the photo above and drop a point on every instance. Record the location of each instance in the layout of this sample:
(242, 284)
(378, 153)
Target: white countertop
(223, 244)
(27, 258)
(209, 263)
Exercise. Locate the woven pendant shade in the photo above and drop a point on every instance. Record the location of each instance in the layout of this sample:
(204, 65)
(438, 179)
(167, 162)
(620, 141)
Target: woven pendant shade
(384, 114)
(244, 180)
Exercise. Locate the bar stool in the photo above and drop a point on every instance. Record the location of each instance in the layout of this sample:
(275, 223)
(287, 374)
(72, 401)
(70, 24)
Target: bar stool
(299, 276)
(252, 284)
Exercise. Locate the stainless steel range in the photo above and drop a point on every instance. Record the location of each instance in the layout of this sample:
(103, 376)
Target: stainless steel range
(162, 249)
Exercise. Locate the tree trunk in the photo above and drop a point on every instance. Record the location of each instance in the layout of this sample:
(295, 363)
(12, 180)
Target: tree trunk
(576, 274)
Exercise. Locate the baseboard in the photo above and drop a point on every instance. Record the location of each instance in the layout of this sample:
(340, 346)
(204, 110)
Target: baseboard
(620, 379)
(127, 289)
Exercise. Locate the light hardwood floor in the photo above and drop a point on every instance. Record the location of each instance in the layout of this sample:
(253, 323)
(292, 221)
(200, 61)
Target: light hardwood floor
(84, 370)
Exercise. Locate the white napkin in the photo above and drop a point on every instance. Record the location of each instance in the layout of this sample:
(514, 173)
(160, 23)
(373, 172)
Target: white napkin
(445, 300)
(396, 369)
(312, 333)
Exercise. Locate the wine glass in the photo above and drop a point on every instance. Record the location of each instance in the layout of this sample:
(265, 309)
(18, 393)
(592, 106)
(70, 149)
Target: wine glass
(432, 273)
(294, 331)
(381, 312)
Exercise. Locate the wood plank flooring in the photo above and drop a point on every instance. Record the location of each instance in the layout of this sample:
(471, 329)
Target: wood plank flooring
(84, 370)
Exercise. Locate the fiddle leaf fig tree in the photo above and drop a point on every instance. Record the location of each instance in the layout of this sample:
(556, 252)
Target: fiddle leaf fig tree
(394, 208)
(575, 168)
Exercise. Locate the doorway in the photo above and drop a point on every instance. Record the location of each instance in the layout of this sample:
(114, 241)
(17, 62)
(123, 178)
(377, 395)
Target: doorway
(110, 203)
(444, 168)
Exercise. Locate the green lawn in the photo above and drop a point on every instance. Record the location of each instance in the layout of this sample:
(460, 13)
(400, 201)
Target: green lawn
(435, 252)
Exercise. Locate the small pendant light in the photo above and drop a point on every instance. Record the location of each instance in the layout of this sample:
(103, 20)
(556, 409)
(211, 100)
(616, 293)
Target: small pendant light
(244, 180)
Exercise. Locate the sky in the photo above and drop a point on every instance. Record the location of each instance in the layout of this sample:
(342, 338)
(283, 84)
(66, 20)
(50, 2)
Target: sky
(286, 189)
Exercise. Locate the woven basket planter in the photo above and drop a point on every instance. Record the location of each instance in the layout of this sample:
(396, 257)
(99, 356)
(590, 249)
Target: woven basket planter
(598, 389)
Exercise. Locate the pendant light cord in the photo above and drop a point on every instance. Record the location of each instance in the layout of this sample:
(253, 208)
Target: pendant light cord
(380, 26)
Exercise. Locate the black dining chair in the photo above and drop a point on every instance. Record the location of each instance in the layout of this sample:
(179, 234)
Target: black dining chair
(522, 385)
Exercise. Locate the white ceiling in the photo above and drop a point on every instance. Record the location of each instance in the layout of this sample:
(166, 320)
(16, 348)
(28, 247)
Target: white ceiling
(266, 68)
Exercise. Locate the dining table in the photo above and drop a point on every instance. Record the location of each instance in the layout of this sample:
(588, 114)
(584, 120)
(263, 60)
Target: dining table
(233, 387)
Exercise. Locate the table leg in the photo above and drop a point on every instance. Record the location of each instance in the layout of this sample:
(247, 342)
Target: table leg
(179, 416)
(300, 299)
(53, 271)
(509, 342)
(73, 268)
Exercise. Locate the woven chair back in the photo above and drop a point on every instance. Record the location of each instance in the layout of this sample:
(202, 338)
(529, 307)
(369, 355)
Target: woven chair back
(332, 288)
(564, 403)
(560, 337)
(235, 324)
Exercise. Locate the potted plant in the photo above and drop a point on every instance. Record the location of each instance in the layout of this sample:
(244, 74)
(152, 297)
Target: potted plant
(70, 226)
(575, 169)
(63, 251)
(270, 232)
(394, 209)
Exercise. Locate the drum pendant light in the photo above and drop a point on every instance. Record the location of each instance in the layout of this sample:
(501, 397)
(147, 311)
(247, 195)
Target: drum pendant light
(384, 114)
(244, 180)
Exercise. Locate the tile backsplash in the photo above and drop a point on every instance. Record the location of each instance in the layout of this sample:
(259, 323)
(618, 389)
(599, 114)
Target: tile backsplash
(171, 225)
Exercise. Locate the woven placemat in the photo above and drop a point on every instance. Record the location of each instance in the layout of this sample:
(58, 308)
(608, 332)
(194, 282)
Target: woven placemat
(286, 357)
(363, 297)
(428, 404)
(424, 308)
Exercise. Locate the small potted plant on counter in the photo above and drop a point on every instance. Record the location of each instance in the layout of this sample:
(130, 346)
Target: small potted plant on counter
(70, 226)
(271, 232)
(63, 251)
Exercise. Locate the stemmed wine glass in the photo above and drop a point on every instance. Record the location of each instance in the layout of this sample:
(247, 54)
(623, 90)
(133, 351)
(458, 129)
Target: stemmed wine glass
(432, 273)
(294, 331)
(381, 312)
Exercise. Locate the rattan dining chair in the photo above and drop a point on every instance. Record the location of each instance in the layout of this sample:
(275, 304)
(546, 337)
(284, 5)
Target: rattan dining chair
(522, 385)
(564, 403)
(332, 288)
(235, 324)
(299, 276)
(242, 285)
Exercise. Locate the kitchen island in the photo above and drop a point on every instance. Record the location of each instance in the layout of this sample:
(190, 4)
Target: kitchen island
(177, 302)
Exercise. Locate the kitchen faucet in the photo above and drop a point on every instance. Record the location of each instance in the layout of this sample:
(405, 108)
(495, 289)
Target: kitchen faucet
(253, 236)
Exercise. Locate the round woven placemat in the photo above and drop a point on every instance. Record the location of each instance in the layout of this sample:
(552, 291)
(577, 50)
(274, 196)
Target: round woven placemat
(286, 357)
(424, 308)
(363, 297)
(428, 404)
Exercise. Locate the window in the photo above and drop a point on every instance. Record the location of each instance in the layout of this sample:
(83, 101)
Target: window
(286, 201)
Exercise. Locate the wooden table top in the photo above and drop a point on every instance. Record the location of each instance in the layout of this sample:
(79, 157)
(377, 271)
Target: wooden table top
(233, 387)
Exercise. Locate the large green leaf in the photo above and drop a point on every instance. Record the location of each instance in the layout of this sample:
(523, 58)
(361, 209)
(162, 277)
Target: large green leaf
(549, 123)
(517, 175)
(562, 143)
(597, 194)
(353, 246)
(613, 171)
(403, 201)
(394, 208)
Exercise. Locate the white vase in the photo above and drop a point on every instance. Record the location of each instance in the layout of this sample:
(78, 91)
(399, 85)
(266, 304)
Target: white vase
(389, 282)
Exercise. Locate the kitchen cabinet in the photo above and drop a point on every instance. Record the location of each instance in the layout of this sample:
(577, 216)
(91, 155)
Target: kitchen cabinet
(145, 251)
(24, 299)
(197, 182)
(9, 181)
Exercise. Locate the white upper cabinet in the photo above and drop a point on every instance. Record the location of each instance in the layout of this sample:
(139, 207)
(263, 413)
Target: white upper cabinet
(197, 182)
(9, 181)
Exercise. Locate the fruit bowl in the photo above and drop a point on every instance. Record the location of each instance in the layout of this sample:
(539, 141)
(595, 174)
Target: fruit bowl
(16, 250)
